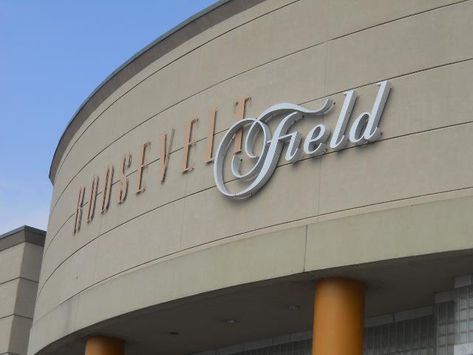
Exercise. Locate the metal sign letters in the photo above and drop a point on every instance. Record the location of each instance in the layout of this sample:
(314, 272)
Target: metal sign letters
(250, 140)
(364, 129)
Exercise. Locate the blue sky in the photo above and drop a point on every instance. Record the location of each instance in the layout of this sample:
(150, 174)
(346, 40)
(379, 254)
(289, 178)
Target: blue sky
(52, 56)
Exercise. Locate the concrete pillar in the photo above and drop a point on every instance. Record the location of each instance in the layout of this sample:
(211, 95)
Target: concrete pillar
(338, 317)
(101, 345)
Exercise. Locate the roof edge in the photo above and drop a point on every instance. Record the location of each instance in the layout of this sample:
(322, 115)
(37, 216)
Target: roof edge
(194, 25)
(23, 234)
(23, 228)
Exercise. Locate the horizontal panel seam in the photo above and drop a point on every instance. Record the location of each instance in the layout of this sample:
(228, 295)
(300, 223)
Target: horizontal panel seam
(15, 315)
(18, 278)
(402, 18)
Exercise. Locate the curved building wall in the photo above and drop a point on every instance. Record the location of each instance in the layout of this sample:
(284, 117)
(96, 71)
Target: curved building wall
(181, 237)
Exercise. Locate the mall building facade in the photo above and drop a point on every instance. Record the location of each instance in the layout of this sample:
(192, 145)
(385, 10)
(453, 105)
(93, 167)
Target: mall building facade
(271, 177)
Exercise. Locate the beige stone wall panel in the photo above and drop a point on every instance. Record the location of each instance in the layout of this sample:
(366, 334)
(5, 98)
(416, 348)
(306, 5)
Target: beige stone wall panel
(8, 292)
(11, 263)
(5, 331)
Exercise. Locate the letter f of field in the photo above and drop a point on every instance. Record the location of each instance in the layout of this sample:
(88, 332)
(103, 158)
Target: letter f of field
(266, 162)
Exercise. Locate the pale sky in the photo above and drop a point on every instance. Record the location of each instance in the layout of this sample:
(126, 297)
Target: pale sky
(53, 53)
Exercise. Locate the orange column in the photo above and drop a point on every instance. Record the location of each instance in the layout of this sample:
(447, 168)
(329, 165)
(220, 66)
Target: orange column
(338, 317)
(100, 345)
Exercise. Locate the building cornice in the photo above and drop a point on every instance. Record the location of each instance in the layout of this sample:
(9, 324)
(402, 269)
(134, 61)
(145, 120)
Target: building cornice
(24, 234)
